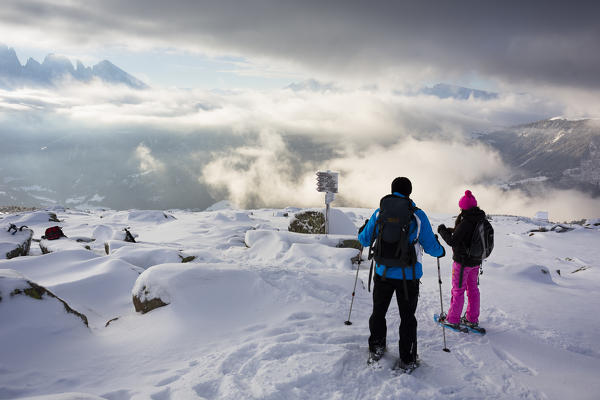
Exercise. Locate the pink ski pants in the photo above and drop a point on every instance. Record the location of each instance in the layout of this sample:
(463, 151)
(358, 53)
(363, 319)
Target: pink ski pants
(469, 283)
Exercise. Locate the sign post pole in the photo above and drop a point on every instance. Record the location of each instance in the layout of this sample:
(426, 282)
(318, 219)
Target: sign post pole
(327, 181)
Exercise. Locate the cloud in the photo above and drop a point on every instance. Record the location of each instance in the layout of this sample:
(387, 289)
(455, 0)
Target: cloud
(262, 148)
(147, 162)
(537, 42)
(265, 174)
(259, 175)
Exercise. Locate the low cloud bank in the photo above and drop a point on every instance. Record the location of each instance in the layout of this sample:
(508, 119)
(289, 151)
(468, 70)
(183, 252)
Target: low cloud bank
(441, 171)
(262, 148)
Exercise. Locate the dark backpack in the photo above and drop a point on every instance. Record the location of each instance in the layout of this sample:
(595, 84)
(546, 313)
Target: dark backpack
(392, 246)
(53, 233)
(482, 241)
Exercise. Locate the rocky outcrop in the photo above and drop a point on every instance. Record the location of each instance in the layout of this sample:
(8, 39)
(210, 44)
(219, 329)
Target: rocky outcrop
(311, 222)
(144, 302)
(15, 243)
(51, 246)
(13, 284)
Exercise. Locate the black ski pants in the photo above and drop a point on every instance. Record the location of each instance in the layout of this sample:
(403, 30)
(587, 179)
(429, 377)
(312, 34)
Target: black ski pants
(383, 290)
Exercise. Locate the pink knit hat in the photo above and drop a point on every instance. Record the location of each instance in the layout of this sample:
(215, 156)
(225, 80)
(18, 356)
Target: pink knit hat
(467, 201)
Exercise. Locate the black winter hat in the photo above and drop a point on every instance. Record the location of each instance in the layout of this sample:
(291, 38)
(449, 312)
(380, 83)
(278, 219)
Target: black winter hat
(402, 185)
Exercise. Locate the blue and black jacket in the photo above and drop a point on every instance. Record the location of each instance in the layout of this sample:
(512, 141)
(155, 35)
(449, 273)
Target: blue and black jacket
(426, 241)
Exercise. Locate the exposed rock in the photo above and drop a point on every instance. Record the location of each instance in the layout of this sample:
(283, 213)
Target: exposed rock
(349, 244)
(15, 243)
(24, 287)
(143, 303)
(312, 222)
(187, 259)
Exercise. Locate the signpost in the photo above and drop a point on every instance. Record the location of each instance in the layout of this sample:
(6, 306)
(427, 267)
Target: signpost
(327, 181)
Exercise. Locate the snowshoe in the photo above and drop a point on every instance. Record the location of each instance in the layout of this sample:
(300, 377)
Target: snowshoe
(472, 326)
(375, 356)
(441, 320)
(406, 368)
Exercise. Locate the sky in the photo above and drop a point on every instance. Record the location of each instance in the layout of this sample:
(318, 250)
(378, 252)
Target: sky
(224, 68)
(546, 43)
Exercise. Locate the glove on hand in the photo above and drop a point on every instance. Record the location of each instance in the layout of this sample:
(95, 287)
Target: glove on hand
(442, 228)
(363, 227)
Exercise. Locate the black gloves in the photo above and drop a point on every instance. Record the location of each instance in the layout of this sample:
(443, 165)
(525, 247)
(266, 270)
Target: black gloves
(442, 228)
(363, 227)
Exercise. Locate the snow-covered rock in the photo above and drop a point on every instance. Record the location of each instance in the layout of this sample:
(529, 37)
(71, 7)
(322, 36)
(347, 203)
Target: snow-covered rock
(299, 249)
(145, 256)
(96, 286)
(156, 216)
(16, 305)
(64, 243)
(15, 243)
(221, 205)
(31, 219)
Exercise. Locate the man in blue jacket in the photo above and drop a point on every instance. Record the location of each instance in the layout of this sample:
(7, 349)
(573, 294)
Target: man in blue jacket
(398, 269)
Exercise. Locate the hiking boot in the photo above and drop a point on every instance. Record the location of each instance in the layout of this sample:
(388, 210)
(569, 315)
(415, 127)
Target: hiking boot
(465, 321)
(442, 319)
(375, 354)
(406, 366)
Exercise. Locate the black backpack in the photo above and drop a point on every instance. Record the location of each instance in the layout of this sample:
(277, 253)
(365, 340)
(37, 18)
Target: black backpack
(392, 246)
(482, 241)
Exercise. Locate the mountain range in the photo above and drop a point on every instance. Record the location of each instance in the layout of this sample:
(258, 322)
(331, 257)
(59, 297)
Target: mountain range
(446, 91)
(55, 69)
(559, 152)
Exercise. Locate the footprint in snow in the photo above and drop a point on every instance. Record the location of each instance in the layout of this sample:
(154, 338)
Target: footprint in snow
(208, 390)
(300, 316)
(166, 381)
(164, 394)
(514, 363)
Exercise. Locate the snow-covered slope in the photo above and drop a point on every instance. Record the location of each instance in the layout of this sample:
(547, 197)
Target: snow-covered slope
(257, 312)
(557, 151)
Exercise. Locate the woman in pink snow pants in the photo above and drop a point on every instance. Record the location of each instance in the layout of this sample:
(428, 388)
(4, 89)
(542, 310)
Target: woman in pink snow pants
(465, 268)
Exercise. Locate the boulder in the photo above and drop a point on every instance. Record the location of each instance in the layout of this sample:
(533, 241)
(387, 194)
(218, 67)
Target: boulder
(64, 243)
(15, 243)
(13, 284)
(310, 222)
(145, 299)
(143, 302)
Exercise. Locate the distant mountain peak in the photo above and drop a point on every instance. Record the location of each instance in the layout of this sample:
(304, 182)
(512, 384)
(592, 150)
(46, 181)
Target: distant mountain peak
(445, 91)
(311, 85)
(54, 68)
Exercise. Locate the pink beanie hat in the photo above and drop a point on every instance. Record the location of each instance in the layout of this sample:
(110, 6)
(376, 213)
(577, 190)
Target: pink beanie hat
(467, 201)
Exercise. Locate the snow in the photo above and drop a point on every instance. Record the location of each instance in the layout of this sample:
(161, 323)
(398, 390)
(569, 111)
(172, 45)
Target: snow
(259, 312)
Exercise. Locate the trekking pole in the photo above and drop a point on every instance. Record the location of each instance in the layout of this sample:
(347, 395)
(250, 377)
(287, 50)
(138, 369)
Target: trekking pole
(446, 349)
(355, 280)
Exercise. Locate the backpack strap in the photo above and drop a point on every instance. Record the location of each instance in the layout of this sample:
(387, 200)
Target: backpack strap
(418, 226)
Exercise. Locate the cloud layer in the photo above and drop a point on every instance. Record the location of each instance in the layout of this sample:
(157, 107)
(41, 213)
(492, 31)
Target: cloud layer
(534, 43)
(189, 148)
